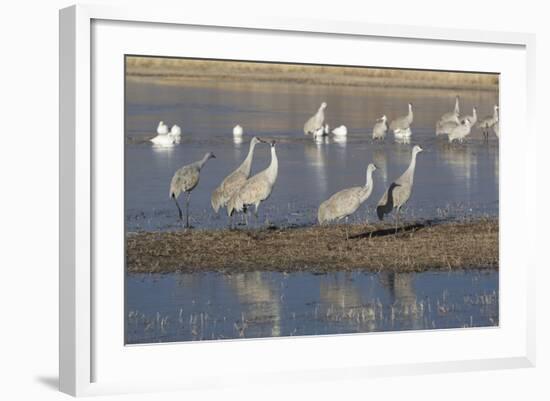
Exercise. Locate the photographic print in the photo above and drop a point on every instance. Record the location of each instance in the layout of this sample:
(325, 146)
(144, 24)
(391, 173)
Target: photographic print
(275, 199)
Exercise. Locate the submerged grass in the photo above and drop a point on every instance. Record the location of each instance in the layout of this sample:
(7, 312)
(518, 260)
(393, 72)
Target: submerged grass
(416, 247)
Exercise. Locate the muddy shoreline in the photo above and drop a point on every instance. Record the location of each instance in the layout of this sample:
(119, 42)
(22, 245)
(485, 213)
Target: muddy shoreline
(418, 246)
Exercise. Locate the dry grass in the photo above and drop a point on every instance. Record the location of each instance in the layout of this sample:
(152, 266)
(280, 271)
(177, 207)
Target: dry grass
(174, 70)
(419, 247)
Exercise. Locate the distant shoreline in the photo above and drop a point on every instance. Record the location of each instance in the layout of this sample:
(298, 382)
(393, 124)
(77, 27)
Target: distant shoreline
(318, 249)
(186, 71)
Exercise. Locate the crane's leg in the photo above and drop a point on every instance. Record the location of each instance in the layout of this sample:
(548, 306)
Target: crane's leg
(187, 209)
(179, 208)
(256, 216)
(347, 234)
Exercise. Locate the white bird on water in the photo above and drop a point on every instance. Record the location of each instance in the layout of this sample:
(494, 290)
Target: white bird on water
(399, 191)
(237, 131)
(235, 180)
(185, 180)
(256, 189)
(401, 126)
(340, 131)
(380, 128)
(346, 202)
(162, 129)
(316, 121)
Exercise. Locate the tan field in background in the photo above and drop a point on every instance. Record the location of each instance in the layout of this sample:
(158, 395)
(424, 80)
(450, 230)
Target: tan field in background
(174, 70)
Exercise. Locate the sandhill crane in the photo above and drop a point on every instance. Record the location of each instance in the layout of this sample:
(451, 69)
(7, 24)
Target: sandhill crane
(256, 189)
(162, 129)
(488, 122)
(342, 130)
(346, 202)
(399, 191)
(496, 129)
(445, 127)
(452, 115)
(235, 180)
(401, 126)
(472, 118)
(185, 180)
(460, 132)
(316, 121)
(237, 131)
(380, 128)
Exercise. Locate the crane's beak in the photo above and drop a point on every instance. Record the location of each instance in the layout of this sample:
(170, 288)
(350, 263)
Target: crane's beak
(262, 140)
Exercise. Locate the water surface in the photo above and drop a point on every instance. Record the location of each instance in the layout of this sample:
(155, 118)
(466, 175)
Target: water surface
(451, 181)
(212, 306)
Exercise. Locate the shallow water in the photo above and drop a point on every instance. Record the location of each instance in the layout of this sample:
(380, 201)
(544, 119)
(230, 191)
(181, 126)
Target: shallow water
(450, 181)
(212, 306)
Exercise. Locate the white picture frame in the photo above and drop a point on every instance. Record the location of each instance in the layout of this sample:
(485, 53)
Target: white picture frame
(81, 347)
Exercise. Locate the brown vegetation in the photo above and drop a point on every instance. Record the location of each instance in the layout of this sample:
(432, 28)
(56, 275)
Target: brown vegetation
(174, 70)
(417, 247)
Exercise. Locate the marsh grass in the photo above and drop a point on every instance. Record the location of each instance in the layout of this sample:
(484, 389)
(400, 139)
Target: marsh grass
(418, 246)
(174, 70)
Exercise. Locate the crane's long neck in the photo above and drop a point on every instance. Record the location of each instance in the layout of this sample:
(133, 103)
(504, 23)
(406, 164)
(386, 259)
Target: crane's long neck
(412, 166)
(495, 114)
(410, 115)
(247, 163)
(369, 179)
(457, 106)
(273, 167)
(202, 161)
(367, 189)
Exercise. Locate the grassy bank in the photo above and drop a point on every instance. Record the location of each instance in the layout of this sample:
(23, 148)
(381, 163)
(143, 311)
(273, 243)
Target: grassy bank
(173, 70)
(417, 247)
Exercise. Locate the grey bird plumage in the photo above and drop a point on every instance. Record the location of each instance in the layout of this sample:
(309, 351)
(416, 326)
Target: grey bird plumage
(401, 125)
(316, 121)
(380, 128)
(400, 190)
(185, 180)
(488, 122)
(346, 202)
(256, 189)
(460, 132)
(452, 115)
(233, 181)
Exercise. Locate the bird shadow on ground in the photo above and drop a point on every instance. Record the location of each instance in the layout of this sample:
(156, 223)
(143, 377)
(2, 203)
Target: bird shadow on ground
(390, 231)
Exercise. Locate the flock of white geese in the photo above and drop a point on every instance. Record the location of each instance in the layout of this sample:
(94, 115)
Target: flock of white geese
(239, 192)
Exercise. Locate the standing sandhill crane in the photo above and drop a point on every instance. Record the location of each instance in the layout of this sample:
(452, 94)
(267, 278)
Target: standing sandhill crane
(401, 126)
(185, 180)
(399, 191)
(488, 122)
(460, 132)
(445, 127)
(235, 180)
(256, 189)
(346, 202)
(380, 128)
(316, 121)
(452, 115)
(472, 118)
